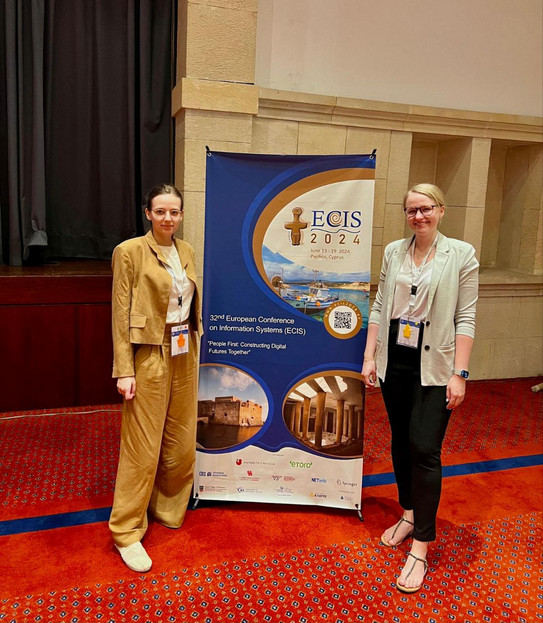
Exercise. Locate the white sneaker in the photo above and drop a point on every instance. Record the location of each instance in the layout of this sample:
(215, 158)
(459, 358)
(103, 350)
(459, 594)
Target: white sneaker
(135, 557)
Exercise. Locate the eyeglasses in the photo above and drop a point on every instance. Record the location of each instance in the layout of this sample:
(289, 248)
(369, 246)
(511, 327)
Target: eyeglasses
(160, 213)
(424, 210)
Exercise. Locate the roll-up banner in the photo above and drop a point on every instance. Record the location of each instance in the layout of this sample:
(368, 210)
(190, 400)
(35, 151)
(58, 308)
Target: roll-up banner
(286, 303)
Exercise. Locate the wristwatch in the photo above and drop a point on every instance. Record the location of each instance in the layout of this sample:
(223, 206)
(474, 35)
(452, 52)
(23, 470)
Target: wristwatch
(463, 373)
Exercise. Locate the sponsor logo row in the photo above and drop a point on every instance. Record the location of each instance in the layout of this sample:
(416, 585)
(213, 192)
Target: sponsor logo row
(276, 477)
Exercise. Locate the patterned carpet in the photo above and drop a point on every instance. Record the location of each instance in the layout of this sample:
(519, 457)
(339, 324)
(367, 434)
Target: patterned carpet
(498, 419)
(480, 572)
(264, 563)
(53, 463)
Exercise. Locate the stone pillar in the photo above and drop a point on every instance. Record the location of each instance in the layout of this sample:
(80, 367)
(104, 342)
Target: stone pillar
(319, 417)
(351, 434)
(462, 173)
(289, 414)
(339, 419)
(520, 243)
(305, 418)
(297, 418)
(397, 184)
(214, 99)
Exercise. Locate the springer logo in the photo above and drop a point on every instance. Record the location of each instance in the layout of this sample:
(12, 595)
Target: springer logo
(344, 483)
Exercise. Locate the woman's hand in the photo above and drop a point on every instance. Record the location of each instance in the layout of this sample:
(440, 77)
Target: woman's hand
(126, 386)
(456, 390)
(369, 375)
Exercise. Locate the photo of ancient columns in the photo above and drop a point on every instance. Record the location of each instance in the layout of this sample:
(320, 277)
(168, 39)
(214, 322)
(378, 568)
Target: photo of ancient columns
(326, 413)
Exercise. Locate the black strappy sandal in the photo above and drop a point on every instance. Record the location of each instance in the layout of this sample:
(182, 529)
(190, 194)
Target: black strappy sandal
(413, 589)
(385, 542)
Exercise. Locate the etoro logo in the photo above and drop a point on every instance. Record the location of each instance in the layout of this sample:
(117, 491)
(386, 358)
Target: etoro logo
(301, 464)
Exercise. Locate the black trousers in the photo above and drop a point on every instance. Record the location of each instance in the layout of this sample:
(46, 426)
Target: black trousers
(418, 418)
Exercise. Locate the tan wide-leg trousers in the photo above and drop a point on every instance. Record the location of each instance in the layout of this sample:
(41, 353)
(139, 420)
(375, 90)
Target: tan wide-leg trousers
(158, 442)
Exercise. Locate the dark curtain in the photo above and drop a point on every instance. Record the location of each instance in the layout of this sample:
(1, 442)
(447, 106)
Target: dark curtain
(105, 78)
(22, 149)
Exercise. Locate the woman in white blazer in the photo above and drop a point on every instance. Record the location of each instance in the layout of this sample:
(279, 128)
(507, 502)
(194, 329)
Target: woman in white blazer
(419, 340)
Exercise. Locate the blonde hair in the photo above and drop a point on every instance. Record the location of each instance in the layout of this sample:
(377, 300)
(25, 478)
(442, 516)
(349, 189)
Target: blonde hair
(430, 190)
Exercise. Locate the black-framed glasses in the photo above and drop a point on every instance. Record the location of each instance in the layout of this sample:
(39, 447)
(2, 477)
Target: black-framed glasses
(424, 210)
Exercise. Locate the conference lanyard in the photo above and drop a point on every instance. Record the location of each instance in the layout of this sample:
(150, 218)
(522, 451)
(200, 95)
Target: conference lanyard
(178, 285)
(179, 333)
(416, 272)
(409, 327)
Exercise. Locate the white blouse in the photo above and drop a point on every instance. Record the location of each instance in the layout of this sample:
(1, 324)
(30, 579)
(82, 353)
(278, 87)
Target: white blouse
(409, 275)
(181, 286)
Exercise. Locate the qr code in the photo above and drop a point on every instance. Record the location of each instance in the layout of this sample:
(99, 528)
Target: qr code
(342, 320)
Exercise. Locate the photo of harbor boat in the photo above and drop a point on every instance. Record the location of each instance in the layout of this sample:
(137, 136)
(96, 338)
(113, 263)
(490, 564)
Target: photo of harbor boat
(311, 299)
(311, 292)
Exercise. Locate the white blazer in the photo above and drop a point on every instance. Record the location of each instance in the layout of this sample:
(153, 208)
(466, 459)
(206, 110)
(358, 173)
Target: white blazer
(451, 305)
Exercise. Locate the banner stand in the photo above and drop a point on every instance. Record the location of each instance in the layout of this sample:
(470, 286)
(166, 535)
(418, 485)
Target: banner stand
(196, 501)
(285, 309)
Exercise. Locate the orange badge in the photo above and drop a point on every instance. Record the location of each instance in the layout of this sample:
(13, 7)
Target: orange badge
(181, 340)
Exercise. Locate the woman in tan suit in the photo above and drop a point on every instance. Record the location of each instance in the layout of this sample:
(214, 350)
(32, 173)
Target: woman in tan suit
(156, 331)
(420, 335)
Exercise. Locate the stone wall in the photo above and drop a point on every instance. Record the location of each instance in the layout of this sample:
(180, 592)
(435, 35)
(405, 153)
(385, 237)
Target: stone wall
(232, 411)
(489, 165)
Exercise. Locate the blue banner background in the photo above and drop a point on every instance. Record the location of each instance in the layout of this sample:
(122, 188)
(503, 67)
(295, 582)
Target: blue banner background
(238, 187)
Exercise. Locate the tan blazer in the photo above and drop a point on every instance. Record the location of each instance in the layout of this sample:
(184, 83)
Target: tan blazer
(451, 305)
(141, 291)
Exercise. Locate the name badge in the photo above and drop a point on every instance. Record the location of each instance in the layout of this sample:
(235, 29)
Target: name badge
(408, 332)
(180, 340)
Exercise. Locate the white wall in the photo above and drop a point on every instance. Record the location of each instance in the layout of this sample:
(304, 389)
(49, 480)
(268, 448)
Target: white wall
(482, 55)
